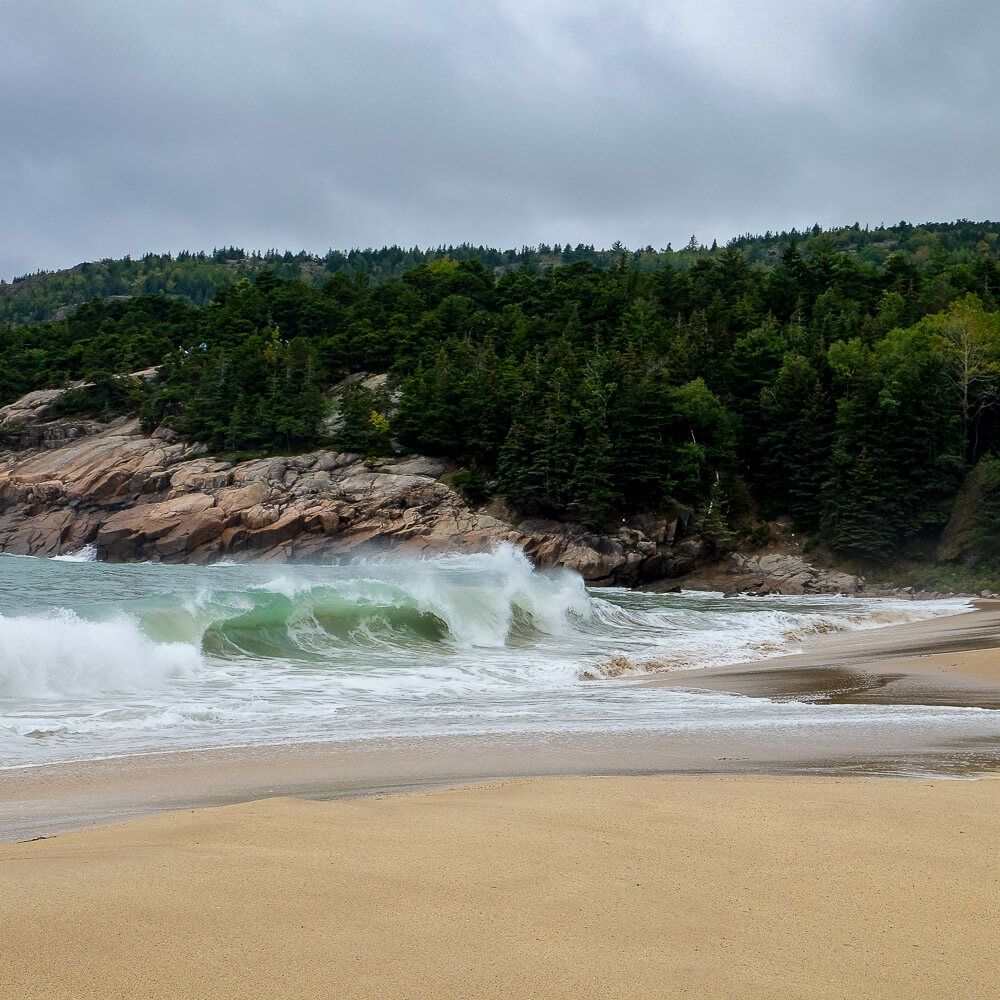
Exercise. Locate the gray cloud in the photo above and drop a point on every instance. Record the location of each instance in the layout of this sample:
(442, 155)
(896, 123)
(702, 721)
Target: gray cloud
(310, 124)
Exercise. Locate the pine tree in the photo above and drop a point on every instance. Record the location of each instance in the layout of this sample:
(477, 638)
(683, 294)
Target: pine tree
(795, 445)
(591, 486)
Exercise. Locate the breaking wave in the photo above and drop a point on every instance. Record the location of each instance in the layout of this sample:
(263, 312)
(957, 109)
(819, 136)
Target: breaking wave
(457, 602)
(87, 554)
(60, 655)
(446, 605)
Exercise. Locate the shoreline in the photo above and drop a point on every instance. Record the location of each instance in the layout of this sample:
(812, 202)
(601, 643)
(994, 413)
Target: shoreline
(943, 662)
(947, 661)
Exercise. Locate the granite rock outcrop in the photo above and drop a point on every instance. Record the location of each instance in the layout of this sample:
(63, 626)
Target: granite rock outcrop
(133, 495)
(763, 574)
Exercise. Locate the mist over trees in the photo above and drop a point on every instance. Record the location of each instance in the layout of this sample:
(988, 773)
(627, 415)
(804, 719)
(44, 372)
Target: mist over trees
(849, 384)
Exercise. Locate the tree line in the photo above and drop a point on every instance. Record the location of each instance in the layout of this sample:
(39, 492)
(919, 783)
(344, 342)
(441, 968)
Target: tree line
(854, 396)
(198, 277)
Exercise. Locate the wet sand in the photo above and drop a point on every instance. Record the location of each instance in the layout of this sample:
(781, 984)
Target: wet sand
(953, 660)
(659, 887)
(45, 801)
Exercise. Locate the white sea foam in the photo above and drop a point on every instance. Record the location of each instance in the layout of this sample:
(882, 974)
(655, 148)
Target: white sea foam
(705, 630)
(86, 554)
(60, 655)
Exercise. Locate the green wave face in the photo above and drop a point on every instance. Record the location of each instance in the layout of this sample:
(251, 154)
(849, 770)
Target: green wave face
(419, 611)
(316, 620)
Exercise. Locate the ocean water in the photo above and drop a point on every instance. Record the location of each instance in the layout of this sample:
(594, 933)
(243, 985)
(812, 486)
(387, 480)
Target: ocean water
(98, 660)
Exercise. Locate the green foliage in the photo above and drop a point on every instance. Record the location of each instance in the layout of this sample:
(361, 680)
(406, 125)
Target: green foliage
(972, 536)
(715, 519)
(116, 337)
(897, 452)
(970, 358)
(458, 403)
(915, 259)
(106, 397)
(850, 378)
(794, 440)
(10, 433)
(365, 426)
(538, 456)
(473, 485)
(704, 439)
(261, 395)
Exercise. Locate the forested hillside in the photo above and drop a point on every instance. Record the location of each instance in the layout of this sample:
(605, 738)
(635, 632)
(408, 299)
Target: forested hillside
(846, 382)
(197, 277)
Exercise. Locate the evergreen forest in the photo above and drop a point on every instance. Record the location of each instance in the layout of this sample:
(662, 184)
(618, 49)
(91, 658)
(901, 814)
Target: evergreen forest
(849, 380)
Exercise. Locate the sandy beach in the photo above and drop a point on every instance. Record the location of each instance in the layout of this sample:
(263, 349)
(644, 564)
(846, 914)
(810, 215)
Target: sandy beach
(644, 887)
(763, 871)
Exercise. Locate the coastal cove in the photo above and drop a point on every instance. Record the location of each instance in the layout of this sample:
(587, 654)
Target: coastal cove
(494, 505)
(423, 777)
(814, 713)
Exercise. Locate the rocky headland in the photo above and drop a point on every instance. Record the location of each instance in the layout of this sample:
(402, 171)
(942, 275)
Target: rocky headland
(70, 483)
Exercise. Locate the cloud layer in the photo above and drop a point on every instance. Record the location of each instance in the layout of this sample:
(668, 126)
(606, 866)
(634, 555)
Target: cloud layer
(311, 124)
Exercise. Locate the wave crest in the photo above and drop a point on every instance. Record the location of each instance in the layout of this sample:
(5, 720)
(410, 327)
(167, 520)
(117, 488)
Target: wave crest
(461, 602)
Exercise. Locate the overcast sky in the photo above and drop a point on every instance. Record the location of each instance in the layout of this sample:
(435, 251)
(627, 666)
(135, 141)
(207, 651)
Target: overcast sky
(309, 124)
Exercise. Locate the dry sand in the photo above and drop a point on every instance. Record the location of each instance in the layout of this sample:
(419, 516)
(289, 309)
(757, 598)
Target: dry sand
(733, 887)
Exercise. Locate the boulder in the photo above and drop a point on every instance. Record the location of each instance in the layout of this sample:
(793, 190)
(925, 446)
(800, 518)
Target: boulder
(30, 408)
(694, 548)
(284, 529)
(242, 498)
(132, 533)
(418, 465)
(787, 573)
